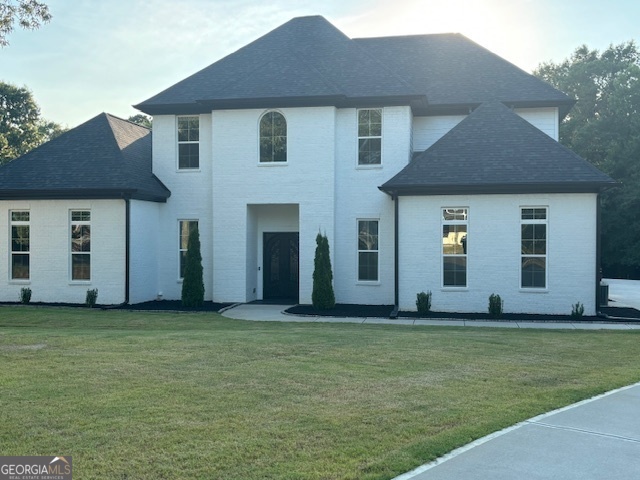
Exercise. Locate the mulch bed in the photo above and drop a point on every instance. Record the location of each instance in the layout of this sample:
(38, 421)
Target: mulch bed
(384, 311)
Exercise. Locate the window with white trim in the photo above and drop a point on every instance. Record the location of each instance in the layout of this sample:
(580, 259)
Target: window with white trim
(188, 143)
(533, 247)
(273, 138)
(455, 223)
(368, 250)
(80, 245)
(185, 227)
(20, 244)
(370, 136)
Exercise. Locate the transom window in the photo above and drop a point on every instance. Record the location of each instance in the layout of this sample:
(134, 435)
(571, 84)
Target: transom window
(370, 136)
(20, 245)
(368, 250)
(186, 227)
(533, 250)
(455, 223)
(273, 138)
(81, 245)
(188, 143)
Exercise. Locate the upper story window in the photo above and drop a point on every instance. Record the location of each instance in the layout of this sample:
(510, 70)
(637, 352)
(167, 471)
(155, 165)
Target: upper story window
(20, 247)
(273, 138)
(455, 222)
(370, 136)
(533, 250)
(81, 245)
(188, 143)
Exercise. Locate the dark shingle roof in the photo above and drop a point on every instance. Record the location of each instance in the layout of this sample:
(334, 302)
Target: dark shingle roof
(494, 150)
(307, 61)
(105, 157)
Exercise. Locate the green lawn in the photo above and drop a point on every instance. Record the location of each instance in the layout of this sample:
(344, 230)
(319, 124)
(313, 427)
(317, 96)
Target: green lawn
(154, 395)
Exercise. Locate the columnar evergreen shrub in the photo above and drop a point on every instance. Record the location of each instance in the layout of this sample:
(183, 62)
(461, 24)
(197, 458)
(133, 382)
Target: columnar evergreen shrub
(322, 296)
(192, 283)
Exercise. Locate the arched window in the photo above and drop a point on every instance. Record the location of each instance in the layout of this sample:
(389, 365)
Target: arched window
(273, 138)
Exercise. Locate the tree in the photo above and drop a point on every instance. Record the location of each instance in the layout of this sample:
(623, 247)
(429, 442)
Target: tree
(29, 14)
(322, 295)
(192, 284)
(604, 128)
(21, 127)
(141, 119)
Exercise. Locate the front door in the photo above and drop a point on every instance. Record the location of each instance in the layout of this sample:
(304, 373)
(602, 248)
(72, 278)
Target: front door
(281, 265)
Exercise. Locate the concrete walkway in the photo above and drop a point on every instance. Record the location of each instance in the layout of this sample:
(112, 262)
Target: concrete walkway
(624, 293)
(595, 439)
(274, 313)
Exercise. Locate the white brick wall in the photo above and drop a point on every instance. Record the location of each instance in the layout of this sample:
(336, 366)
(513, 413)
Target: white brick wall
(50, 245)
(494, 253)
(546, 119)
(358, 197)
(144, 254)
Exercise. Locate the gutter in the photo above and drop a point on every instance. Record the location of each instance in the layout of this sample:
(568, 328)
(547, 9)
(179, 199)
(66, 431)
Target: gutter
(127, 249)
(396, 273)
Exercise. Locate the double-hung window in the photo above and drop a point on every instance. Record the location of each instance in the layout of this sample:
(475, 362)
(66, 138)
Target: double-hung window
(370, 136)
(188, 143)
(533, 247)
(186, 227)
(368, 250)
(455, 223)
(80, 245)
(273, 138)
(20, 245)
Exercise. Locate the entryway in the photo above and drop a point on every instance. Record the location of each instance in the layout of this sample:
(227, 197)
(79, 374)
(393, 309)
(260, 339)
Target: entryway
(281, 265)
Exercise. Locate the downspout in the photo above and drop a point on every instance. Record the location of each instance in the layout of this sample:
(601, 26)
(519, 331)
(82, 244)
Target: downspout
(396, 279)
(127, 235)
(598, 254)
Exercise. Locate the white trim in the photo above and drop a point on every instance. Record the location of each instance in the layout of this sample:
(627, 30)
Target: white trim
(186, 142)
(369, 166)
(72, 222)
(18, 223)
(545, 222)
(358, 251)
(443, 222)
(286, 124)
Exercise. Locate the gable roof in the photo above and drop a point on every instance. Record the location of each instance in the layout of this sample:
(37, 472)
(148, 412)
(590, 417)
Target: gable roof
(494, 150)
(307, 62)
(105, 157)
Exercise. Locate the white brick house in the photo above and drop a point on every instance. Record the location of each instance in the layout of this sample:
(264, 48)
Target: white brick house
(422, 158)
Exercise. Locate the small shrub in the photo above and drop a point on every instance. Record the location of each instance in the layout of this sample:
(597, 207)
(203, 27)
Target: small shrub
(496, 305)
(25, 295)
(577, 310)
(423, 302)
(92, 297)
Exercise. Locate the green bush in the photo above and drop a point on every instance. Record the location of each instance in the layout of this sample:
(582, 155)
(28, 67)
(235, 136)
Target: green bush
(322, 295)
(25, 295)
(496, 305)
(192, 283)
(92, 297)
(423, 302)
(577, 310)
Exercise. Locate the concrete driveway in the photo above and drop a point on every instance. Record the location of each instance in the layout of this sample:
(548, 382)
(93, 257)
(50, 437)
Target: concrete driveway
(624, 293)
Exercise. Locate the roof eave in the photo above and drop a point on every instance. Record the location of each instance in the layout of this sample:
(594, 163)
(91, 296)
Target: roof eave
(496, 189)
(81, 194)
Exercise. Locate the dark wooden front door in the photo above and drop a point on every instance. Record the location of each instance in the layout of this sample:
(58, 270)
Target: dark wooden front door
(281, 265)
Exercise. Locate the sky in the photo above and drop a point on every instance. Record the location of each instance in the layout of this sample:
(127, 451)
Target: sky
(106, 55)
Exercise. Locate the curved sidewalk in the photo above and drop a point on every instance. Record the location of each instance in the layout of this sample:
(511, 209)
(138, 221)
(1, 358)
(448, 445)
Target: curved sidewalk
(594, 439)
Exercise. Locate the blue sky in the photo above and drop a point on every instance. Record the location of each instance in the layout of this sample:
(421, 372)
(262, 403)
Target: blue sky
(106, 55)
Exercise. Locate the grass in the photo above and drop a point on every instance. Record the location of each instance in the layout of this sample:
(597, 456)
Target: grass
(160, 395)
